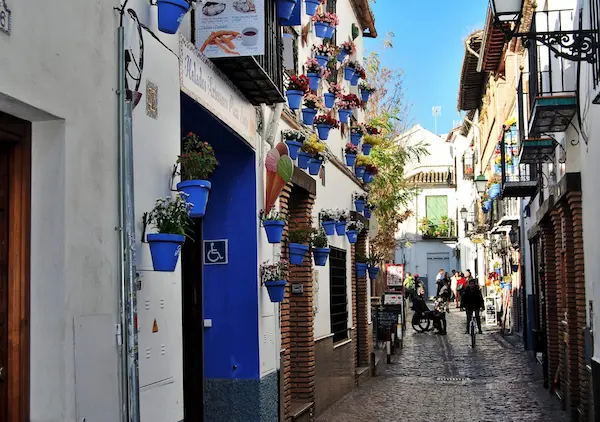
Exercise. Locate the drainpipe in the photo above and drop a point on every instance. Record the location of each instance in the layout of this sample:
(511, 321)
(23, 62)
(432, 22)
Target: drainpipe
(128, 344)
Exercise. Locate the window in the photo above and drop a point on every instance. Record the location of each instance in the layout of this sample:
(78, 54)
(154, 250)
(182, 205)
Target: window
(436, 208)
(331, 7)
(338, 294)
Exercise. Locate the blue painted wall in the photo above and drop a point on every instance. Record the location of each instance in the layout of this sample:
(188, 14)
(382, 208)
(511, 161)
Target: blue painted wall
(230, 291)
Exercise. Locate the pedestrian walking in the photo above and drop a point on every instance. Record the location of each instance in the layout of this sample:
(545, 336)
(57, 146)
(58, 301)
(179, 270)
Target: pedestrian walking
(461, 285)
(439, 281)
(453, 281)
(472, 302)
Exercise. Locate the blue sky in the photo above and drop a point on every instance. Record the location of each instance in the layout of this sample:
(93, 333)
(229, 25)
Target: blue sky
(429, 47)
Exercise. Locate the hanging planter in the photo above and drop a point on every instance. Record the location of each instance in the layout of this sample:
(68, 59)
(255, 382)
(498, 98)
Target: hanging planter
(274, 223)
(359, 171)
(285, 8)
(341, 56)
(361, 269)
(320, 256)
(311, 6)
(322, 60)
(314, 166)
(323, 131)
(355, 79)
(314, 79)
(197, 163)
(344, 115)
(346, 49)
(329, 99)
(498, 168)
(274, 278)
(297, 253)
(293, 148)
(364, 96)
(294, 140)
(348, 73)
(366, 149)
(276, 290)
(297, 87)
(340, 228)
(353, 230)
(170, 14)
(365, 91)
(303, 159)
(368, 177)
(355, 138)
(329, 31)
(308, 116)
(359, 204)
(322, 29)
(329, 227)
(324, 124)
(373, 272)
(352, 236)
(367, 212)
(494, 190)
(165, 249)
(350, 159)
(294, 98)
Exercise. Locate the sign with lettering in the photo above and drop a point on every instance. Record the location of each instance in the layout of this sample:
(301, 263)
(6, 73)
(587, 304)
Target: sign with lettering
(392, 298)
(394, 275)
(203, 82)
(231, 28)
(216, 252)
(490, 311)
(4, 17)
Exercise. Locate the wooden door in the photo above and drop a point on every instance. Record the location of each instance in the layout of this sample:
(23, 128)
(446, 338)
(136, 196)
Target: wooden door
(15, 214)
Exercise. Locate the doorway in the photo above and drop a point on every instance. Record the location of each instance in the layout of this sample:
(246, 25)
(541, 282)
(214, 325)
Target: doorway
(435, 262)
(15, 176)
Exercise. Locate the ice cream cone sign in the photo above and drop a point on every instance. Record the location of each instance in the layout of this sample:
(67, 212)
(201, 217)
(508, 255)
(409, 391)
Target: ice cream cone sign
(280, 169)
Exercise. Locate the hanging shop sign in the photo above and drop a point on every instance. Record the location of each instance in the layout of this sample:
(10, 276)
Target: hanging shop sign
(490, 311)
(394, 275)
(231, 28)
(203, 82)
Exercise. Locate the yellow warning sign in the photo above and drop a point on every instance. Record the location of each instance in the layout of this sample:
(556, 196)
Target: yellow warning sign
(155, 327)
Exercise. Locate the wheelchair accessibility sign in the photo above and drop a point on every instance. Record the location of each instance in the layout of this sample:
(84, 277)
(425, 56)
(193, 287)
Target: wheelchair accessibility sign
(216, 252)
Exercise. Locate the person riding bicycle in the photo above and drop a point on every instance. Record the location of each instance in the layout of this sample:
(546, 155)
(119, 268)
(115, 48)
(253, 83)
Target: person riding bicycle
(472, 301)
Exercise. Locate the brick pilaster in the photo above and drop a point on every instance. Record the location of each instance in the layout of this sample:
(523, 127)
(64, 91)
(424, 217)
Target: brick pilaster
(551, 292)
(360, 308)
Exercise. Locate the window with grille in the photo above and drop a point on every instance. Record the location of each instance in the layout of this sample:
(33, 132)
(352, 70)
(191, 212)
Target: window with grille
(436, 208)
(331, 7)
(338, 294)
(595, 25)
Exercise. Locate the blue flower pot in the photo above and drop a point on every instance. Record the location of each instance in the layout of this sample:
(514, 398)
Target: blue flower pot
(366, 149)
(340, 228)
(314, 166)
(329, 31)
(285, 8)
(498, 168)
(487, 206)
(348, 73)
(364, 95)
(322, 60)
(368, 177)
(170, 14)
(361, 269)
(329, 227)
(359, 204)
(494, 190)
(294, 148)
(373, 272)
(314, 79)
(323, 131)
(274, 229)
(350, 159)
(297, 253)
(197, 194)
(342, 55)
(308, 116)
(294, 98)
(321, 29)
(329, 99)
(303, 158)
(276, 290)
(311, 6)
(344, 114)
(355, 79)
(367, 212)
(165, 249)
(321, 255)
(352, 236)
(359, 171)
(355, 138)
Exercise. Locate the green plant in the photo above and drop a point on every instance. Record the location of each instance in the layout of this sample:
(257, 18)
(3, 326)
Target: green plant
(363, 160)
(274, 272)
(374, 258)
(198, 161)
(355, 225)
(272, 215)
(170, 216)
(300, 235)
(319, 239)
(361, 258)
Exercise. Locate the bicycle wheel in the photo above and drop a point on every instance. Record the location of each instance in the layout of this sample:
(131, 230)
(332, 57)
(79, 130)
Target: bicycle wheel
(472, 335)
(419, 324)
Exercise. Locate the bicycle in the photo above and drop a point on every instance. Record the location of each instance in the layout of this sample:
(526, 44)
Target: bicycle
(472, 330)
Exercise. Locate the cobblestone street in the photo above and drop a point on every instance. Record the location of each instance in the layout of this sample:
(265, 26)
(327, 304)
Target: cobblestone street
(440, 378)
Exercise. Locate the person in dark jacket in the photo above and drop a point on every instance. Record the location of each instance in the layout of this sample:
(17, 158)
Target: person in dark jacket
(472, 301)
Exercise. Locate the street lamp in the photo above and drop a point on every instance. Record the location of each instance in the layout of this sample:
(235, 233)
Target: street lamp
(464, 213)
(506, 11)
(480, 183)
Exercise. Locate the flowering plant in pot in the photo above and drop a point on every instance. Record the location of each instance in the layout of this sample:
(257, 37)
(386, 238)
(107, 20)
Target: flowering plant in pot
(298, 244)
(356, 133)
(494, 186)
(309, 149)
(196, 164)
(323, 53)
(342, 217)
(347, 103)
(334, 91)
(369, 207)
(373, 261)
(324, 123)
(353, 229)
(312, 104)
(170, 14)
(370, 173)
(171, 218)
(320, 247)
(296, 88)
(312, 6)
(361, 164)
(274, 278)
(328, 217)
(316, 162)
(325, 24)
(347, 48)
(274, 223)
(294, 140)
(285, 8)
(372, 130)
(359, 73)
(351, 152)
(360, 199)
(361, 263)
(366, 90)
(370, 141)
(314, 72)
(350, 69)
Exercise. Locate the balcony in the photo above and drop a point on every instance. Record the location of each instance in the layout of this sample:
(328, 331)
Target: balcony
(259, 78)
(446, 229)
(468, 168)
(519, 175)
(552, 86)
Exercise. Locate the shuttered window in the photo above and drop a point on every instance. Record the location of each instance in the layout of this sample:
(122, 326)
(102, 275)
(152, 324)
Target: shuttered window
(338, 294)
(436, 208)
